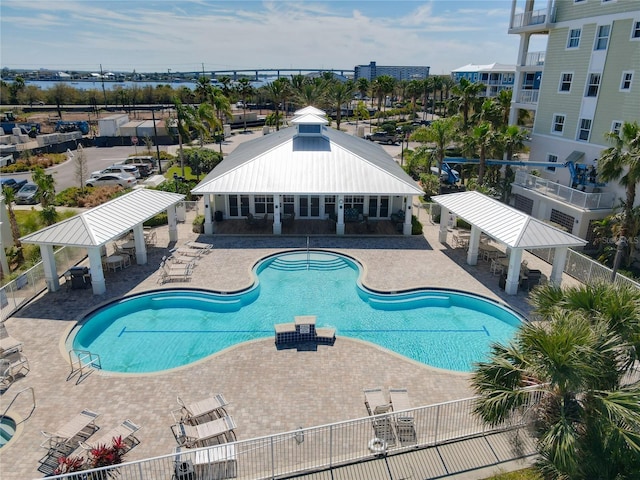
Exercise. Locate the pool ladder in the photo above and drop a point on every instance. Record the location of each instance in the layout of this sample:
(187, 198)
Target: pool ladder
(33, 401)
(308, 254)
(83, 362)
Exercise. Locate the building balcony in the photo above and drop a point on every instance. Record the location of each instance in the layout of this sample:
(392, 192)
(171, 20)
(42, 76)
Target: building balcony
(528, 97)
(532, 21)
(556, 191)
(534, 59)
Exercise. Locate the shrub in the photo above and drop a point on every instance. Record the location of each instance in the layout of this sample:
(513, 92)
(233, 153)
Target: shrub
(157, 220)
(198, 224)
(416, 226)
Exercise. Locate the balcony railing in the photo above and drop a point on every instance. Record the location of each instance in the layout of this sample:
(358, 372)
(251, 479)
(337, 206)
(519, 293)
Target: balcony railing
(588, 201)
(528, 96)
(533, 17)
(534, 59)
(318, 448)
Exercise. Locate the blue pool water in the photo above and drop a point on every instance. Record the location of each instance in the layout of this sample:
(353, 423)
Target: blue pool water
(7, 430)
(167, 329)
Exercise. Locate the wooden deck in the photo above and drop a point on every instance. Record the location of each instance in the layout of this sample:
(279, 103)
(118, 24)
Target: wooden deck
(307, 227)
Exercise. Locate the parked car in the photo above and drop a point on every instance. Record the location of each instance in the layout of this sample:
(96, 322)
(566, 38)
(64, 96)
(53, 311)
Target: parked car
(122, 169)
(29, 194)
(145, 165)
(382, 137)
(110, 179)
(12, 183)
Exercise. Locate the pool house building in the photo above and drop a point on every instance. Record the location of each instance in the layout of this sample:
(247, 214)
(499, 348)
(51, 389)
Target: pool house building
(308, 172)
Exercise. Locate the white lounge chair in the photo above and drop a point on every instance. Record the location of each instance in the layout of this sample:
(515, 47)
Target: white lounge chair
(207, 409)
(405, 428)
(80, 427)
(201, 435)
(375, 401)
(12, 365)
(8, 344)
(126, 431)
(205, 247)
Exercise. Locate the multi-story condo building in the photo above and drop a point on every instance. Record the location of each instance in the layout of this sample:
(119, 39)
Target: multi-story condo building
(495, 76)
(372, 71)
(590, 84)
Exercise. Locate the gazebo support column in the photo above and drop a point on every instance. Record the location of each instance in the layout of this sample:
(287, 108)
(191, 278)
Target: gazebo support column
(141, 248)
(340, 224)
(173, 223)
(208, 222)
(474, 243)
(442, 233)
(513, 274)
(277, 218)
(97, 275)
(49, 265)
(559, 260)
(406, 227)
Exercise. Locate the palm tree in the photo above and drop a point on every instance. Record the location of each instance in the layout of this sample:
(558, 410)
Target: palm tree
(206, 122)
(222, 106)
(15, 88)
(441, 132)
(427, 88)
(226, 86)
(185, 117)
(414, 89)
(278, 91)
(436, 85)
(503, 102)
(245, 90)
(363, 86)
(203, 89)
(447, 85)
(622, 162)
(9, 197)
(466, 93)
(339, 94)
(46, 185)
(577, 360)
(483, 137)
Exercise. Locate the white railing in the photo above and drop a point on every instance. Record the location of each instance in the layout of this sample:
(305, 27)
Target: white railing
(528, 96)
(590, 201)
(316, 448)
(533, 17)
(21, 290)
(585, 269)
(535, 59)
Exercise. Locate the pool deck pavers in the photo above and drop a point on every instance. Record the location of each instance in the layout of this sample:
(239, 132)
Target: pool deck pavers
(269, 390)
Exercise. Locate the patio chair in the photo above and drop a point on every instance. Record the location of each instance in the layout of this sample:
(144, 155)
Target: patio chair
(80, 427)
(375, 401)
(12, 365)
(205, 247)
(405, 428)
(209, 408)
(126, 255)
(168, 272)
(125, 431)
(8, 344)
(204, 433)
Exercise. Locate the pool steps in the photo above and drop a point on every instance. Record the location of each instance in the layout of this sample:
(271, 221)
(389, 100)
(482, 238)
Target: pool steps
(7, 430)
(410, 302)
(301, 262)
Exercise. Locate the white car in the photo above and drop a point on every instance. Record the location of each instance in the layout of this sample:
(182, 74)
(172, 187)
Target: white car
(121, 169)
(110, 179)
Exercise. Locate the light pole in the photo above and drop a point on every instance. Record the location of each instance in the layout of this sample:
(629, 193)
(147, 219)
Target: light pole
(621, 245)
(155, 139)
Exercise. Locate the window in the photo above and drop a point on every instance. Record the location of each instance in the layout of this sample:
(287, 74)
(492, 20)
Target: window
(585, 129)
(562, 220)
(602, 38)
(593, 85)
(552, 158)
(625, 83)
(558, 123)
(635, 30)
(616, 125)
(574, 38)
(565, 82)
(330, 204)
(263, 204)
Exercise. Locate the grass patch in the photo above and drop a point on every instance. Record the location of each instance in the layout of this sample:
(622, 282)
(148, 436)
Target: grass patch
(178, 171)
(526, 474)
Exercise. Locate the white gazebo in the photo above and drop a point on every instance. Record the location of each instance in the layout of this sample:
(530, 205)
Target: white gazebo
(308, 171)
(513, 228)
(96, 227)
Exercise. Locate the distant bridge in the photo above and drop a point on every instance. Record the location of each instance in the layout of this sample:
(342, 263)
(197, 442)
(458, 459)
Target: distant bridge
(256, 73)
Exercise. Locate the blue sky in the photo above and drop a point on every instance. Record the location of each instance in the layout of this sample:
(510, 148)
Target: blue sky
(181, 35)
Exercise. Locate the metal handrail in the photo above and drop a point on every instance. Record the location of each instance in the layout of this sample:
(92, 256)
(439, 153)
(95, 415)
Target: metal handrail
(33, 397)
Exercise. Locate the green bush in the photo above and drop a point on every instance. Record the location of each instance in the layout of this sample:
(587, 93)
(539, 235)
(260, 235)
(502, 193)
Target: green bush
(416, 226)
(198, 224)
(158, 220)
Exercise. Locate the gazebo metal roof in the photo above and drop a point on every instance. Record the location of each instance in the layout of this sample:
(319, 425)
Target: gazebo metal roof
(505, 224)
(106, 222)
(287, 163)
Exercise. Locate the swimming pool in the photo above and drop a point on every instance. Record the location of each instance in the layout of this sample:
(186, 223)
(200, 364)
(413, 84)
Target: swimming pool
(170, 328)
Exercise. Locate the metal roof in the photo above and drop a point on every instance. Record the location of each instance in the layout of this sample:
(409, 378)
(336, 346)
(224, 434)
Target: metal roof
(106, 222)
(310, 109)
(331, 163)
(505, 224)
